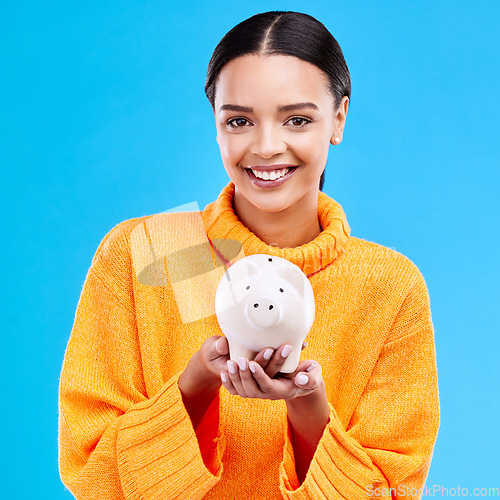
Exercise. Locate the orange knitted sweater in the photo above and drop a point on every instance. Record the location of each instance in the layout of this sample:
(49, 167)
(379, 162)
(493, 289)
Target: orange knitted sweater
(146, 307)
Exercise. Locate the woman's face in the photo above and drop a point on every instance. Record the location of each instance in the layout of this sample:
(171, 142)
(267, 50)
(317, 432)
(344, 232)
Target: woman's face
(275, 119)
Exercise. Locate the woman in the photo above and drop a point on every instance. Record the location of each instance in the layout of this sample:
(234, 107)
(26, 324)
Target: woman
(150, 404)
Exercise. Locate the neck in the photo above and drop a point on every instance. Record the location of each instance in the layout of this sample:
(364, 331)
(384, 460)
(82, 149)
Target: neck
(294, 226)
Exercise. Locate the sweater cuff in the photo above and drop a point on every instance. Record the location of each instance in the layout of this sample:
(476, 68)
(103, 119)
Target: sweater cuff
(158, 452)
(339, 469)
(210, 441)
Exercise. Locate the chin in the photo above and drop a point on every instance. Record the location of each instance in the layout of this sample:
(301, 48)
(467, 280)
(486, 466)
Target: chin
(270, 202)
(272, 208)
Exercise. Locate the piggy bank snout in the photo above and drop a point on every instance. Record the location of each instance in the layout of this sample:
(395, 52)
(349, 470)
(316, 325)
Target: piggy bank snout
(263, 311)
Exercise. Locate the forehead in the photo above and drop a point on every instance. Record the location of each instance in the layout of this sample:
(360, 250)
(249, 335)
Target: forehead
(252, 79)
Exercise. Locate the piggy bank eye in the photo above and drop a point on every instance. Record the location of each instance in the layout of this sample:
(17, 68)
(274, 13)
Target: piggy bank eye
(248, 287)
(281, 290)
(270, 260)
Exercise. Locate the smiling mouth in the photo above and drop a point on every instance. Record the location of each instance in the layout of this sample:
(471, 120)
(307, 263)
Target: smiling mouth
(270, 175)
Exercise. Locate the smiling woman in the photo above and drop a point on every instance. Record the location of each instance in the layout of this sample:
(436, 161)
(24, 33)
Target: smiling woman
(276, 117)
(157, 409)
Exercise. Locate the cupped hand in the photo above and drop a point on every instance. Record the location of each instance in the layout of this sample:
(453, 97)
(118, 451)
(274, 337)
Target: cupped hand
(260, 378)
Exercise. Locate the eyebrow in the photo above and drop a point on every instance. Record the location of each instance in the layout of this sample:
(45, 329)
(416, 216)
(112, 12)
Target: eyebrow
(281, 109)
(235, 107)
(298, 106)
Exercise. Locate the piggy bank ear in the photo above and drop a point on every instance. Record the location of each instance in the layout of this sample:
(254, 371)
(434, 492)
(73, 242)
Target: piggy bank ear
(293, 276)
(242, 270)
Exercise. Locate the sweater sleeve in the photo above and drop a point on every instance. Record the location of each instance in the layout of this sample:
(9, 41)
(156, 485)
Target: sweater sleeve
(115, 442)
(387, 448)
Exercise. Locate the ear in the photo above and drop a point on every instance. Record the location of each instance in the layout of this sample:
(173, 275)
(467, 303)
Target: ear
(242, 270)
(294, 276)
(339, 122)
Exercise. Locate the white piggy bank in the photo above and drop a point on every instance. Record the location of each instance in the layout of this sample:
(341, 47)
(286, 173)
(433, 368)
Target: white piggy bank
(264, 301)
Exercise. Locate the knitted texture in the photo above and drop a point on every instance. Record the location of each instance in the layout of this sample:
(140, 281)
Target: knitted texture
(123, 429)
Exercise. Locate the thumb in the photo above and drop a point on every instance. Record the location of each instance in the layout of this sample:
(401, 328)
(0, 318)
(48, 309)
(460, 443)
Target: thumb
(310, 377)
(222, 346)
(302, 380)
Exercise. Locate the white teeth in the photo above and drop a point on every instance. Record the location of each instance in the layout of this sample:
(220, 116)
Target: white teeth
(272, 175)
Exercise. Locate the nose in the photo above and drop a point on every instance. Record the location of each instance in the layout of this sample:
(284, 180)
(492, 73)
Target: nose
(268, 142)
(263, 312)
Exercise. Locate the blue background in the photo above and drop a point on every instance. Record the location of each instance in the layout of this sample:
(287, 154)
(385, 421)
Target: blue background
(104, 118)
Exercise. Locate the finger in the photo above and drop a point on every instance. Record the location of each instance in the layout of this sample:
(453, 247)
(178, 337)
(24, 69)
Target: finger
(226, 382)
(250, 386)
(310, 378)
(264, 356)
(234, 375)
(278, 359)
(306, 366)
(262, 379)
(215, 351)
(222, 346)
(214, 347)
(302, 366)
(278, 388)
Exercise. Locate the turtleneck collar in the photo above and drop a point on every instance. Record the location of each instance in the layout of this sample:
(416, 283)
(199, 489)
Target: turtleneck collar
(221, 222)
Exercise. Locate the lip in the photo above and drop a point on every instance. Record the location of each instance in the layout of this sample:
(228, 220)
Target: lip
(270, 184)
(269, 168)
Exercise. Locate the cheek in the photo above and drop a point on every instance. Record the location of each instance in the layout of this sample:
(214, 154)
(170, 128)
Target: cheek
(232, 149)
(313, 151)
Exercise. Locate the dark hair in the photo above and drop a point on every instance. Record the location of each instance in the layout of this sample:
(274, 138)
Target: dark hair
(287, 33)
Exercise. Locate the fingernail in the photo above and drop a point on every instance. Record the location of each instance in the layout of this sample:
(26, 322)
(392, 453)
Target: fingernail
(242, 364)
(251, 365)
(223, 377)
(286, 351)
(302, 379)
(268, 353)
(311, 367)
(230, 367)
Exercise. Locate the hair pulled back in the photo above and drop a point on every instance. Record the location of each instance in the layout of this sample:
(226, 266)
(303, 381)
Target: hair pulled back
(283, 33)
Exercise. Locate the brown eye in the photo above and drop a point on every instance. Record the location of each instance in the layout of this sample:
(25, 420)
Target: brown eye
(299, 121)
(237, 122)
